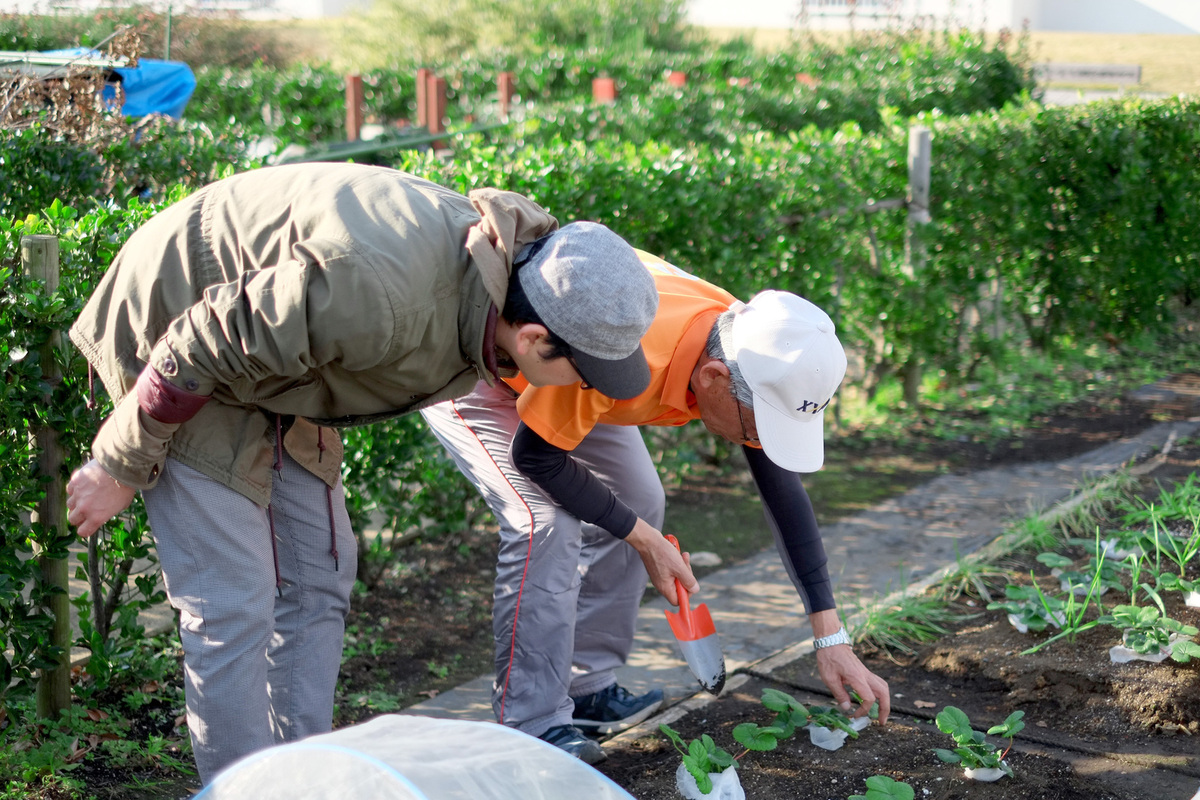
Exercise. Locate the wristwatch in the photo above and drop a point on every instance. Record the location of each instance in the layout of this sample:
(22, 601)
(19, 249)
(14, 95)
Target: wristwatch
(839, 637)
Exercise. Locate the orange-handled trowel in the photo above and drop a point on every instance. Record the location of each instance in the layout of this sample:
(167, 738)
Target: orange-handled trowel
(693, 628)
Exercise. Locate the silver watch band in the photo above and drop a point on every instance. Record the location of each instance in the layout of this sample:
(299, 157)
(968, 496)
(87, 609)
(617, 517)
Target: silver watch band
(838, 637)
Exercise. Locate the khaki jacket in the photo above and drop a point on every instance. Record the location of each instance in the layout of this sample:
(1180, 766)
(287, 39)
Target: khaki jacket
(322, 294)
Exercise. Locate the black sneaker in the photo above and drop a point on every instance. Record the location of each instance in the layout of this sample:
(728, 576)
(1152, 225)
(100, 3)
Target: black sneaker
(614, 709)
(572, 740)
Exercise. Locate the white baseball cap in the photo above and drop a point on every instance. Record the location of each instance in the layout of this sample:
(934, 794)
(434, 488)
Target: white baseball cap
(793, 363)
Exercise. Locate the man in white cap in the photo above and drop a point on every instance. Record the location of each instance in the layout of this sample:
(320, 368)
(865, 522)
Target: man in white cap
(235, 332)
(568, 476)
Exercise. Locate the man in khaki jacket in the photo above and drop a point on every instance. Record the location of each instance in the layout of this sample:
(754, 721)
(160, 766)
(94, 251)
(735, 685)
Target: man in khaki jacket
(240, 326)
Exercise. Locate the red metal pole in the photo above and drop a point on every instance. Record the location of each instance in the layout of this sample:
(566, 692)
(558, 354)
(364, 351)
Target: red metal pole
(422, 85)
(604, 90)
(354, 107)
(504, 85)
(435, 93)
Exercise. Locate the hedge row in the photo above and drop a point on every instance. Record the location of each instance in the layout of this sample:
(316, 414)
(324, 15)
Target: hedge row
(1075, 221)
(1072, 222)
(731, 89)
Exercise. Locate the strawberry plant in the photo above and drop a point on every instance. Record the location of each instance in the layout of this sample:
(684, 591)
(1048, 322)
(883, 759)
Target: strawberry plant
(973, 750)
(701, 757)
(881, 787)
(1097, 569)
(1149, 631)
(790, 714)
(1029, 609)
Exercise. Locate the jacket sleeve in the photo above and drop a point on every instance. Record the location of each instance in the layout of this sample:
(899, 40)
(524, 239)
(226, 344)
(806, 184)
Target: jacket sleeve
(794, 524)
(251, 339)
(131, 445)
(569, 483)
(277, 325)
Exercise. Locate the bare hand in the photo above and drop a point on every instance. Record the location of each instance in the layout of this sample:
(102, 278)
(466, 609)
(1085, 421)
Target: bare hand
(838, 667)
(94, 497)
(663, 561)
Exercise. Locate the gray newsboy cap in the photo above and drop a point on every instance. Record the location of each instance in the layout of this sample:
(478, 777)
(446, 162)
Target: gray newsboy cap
(589, 287)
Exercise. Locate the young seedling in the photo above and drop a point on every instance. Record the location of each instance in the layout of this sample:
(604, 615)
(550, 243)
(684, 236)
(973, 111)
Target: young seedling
(700, 757)
(1170, 582)
(1149, 631)
(1074, 610)
(881, 787)
(973, 750)
(1029, 609)
(1180, 550)
(790, 714)
(833, 718)
(1078, 581)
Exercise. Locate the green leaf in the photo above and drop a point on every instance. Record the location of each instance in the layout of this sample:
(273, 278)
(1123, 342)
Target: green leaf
(949, 756)
(776, 700)
(753, 737)
(883, 787)
(953, 721)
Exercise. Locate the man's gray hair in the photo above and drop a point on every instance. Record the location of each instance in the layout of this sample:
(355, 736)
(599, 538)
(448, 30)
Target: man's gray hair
(720, 347)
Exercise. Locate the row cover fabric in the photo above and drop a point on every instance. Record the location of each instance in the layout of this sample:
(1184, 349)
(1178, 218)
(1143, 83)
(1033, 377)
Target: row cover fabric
(408, 757)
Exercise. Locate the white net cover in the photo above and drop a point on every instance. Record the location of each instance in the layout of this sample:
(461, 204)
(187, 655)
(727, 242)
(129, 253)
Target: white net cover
(403, 757)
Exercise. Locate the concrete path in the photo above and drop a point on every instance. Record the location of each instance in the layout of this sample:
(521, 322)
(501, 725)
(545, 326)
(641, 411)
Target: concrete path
(757, 611)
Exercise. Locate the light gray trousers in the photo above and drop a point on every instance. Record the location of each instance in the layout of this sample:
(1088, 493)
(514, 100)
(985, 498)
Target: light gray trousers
(567, 593)
(260, 668)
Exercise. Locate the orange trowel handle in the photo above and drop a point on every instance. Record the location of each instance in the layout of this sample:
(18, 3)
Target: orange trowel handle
(685, 610)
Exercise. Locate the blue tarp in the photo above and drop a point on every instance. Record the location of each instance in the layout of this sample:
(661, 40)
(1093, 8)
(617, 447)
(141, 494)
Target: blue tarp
(154, 86)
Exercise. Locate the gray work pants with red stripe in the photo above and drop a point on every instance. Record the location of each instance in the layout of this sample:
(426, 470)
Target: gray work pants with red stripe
(259, 667)
(567, 593)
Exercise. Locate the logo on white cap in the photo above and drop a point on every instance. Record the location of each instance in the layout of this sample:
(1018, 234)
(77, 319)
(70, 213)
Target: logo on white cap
(792, 361)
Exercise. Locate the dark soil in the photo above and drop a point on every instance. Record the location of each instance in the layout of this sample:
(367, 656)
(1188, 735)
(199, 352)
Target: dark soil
(1095, 729)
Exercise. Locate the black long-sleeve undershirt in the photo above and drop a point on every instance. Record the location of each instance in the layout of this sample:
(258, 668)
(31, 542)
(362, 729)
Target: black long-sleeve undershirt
(785, 502)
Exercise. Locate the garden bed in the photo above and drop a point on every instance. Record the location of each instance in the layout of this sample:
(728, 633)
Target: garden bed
(1093, 728)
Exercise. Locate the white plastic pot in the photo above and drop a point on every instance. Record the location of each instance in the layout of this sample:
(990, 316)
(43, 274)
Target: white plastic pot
(726, 785)
(1077, 589)
(1192, 599)
(834, 738)
(1057, 618)
(1120, 654)
(1114, 552)
(986, 775)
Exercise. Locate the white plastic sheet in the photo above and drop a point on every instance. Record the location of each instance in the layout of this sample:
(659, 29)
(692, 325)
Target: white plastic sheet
(403, 757)
(726, 785)
(834, 738)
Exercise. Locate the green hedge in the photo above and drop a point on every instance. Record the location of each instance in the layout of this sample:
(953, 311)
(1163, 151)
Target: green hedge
(1047, 223)
(957, 73)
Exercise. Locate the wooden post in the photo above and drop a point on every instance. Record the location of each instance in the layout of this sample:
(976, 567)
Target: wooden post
(604, 90)
(422, 86)
(435, 115)
(504, 87)
(354, 107)
(39, 258)
(920, 159)
(677, 78)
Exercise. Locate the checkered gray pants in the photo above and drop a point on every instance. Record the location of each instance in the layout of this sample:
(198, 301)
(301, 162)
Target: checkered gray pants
(259, 667)
(567, 593)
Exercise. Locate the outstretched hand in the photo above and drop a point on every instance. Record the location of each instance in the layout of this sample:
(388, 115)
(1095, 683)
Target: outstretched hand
(839, 667)
(94, 497)
(663, 561)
